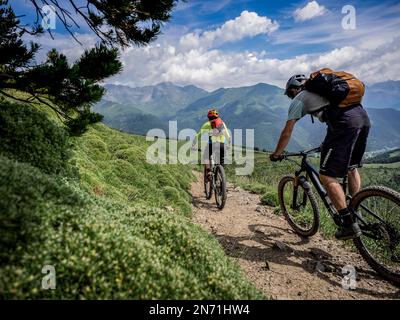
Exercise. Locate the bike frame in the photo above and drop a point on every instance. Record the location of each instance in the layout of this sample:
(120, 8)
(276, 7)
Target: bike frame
(313, 175)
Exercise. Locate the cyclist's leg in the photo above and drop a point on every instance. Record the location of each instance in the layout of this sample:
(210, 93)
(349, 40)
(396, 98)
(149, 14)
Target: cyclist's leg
(222, 153)
(335, 159)
(354, 180)
(335, 191)
(354, 177)
(206, 158)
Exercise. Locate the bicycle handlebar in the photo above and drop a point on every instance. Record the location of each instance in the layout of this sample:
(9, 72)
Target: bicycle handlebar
(302, 153)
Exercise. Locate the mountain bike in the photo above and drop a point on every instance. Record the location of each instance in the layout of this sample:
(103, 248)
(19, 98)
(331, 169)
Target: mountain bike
(376, 208)
(217, 183)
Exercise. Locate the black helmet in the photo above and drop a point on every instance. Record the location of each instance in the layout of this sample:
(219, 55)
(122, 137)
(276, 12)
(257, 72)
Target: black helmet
(295, 82)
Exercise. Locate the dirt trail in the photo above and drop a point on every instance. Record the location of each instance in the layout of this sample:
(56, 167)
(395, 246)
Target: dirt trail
(277, 261)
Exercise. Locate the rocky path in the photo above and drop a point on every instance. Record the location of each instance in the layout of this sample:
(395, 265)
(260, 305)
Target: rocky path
(277, 261)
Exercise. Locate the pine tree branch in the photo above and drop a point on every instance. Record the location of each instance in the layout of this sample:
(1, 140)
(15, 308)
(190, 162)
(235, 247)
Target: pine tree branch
(39, 13)
(98, 32)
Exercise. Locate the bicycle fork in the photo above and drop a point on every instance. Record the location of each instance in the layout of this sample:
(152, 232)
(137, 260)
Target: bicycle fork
(299, 181)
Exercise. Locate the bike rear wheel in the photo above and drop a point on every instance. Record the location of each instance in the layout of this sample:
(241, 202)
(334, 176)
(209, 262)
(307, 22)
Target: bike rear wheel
(378, 211)
(220, 187)
(299, 206)
(207, 185)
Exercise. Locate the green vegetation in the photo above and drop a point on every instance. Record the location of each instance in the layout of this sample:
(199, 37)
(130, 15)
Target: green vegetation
(119, 228)
(28, 136)
(382, 166)
(270, 199)
(391, 156)
(381, 174)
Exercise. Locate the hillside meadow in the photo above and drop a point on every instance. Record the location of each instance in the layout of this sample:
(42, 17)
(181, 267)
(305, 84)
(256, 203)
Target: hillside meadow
(113, 226)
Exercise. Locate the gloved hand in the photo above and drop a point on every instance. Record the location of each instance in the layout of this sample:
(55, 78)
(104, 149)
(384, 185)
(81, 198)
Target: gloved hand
(274, 158)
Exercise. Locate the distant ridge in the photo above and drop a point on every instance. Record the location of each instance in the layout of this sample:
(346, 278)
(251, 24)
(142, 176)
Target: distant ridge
(261, 107)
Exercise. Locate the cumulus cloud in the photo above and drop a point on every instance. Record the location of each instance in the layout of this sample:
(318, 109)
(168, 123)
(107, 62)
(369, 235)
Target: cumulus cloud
(212, 69)
(63, 43)
(311, 10)
(190, 61)
(248, 24)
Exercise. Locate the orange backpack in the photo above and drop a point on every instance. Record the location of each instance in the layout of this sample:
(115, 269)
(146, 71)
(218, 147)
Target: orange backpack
(340, 88)
(217, 124)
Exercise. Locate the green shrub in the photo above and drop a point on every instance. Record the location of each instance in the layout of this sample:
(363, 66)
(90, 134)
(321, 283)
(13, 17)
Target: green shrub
(257, 188)
(270, 198)
(27, 135)
(171, 193)
(25, 194)
(277, 211)
(102, 249)
(108, 235)
(120, 171)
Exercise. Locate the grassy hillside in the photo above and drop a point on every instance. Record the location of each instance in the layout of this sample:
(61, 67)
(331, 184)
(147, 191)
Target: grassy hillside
(391, 156)
(383, 166)
(118, 228)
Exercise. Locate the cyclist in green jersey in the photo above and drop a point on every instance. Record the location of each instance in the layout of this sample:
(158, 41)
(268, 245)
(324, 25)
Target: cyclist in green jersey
(218, 139)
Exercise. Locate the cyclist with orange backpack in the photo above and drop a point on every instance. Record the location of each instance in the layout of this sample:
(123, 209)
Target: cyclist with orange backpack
(218, 139)
(335, 98)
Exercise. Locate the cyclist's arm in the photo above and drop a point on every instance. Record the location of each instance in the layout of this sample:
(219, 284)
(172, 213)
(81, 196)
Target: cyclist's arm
(285, 137)
(227, 134)
(204, 128)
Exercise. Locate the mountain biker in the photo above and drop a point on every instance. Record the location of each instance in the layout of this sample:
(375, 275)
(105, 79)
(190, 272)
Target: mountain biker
(341, 151)
(218, 139)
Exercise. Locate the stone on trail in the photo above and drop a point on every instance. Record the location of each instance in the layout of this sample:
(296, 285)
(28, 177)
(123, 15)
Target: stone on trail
(282, 246)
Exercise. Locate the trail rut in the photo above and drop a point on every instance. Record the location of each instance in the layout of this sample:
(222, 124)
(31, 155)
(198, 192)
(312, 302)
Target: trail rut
(278, 262)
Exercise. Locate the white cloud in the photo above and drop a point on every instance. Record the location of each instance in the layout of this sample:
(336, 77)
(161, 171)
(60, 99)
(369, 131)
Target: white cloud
(248, 24)
(375, 26)
(64, 43)
(312, 10)
(197, 61)
(212, 69)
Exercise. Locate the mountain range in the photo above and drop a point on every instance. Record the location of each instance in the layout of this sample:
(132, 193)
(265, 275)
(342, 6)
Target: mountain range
(261, 107)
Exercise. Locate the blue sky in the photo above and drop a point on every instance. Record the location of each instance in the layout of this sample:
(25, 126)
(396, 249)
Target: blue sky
(230, 43)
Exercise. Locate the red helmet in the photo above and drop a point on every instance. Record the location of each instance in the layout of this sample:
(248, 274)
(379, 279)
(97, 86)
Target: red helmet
(212, 114)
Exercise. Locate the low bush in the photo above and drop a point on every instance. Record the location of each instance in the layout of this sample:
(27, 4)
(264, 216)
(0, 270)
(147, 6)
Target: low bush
(28, 135)
(107, 235)
(270, 199)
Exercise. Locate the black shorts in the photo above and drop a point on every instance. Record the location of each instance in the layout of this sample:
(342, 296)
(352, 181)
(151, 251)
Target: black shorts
(219, 152)
(346, 140)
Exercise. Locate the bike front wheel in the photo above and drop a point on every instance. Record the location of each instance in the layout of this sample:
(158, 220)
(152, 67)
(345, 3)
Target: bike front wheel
(378, 213)
(299, 206)
(220, 187)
